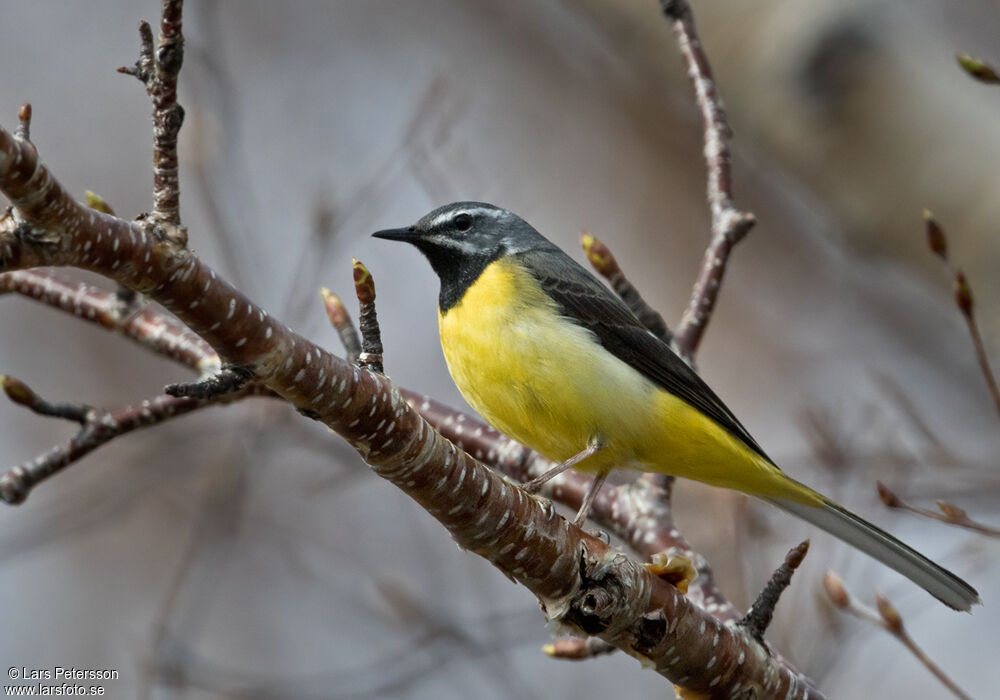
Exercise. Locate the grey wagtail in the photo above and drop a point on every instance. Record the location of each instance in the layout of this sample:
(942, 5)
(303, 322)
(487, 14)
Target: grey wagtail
(550, 356)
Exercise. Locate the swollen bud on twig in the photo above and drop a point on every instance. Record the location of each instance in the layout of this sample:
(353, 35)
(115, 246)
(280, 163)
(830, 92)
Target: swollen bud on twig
(364, 285)
(952, 512)
(599, 255)
(23, 131)
(835, 590)
(963, 294)
(18, 392)
(888, 497)
(96, 201)
(937, 241)
(889, 614)
(978, 68)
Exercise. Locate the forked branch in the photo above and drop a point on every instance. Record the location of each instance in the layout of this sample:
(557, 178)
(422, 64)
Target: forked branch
(729, 224)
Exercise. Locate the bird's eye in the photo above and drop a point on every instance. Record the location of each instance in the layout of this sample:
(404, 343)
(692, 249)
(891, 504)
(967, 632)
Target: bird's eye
(462, 222)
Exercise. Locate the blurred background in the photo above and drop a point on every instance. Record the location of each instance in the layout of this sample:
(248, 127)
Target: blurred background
(246, 553)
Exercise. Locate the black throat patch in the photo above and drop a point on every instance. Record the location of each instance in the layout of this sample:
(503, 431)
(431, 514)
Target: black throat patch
(458, 270)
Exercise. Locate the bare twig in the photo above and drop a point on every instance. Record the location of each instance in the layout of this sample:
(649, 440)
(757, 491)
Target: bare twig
(604, 262)
(729, 224)
(951, 514)
(158, 70)
(371, 335)
(758, 618)
(937, 241)
(167, 114)
(889, 619)
(97, 427)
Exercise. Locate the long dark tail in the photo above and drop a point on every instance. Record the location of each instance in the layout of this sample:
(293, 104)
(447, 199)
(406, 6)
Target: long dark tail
(859, 533)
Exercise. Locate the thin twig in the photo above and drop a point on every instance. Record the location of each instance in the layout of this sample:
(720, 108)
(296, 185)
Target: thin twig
(604, 262)
(97, 427)
(758, 618)
(167, 114)
(158, 70)
(937, 241)
(951, 514)
(371, 335)
(889, 619)
(729, 224)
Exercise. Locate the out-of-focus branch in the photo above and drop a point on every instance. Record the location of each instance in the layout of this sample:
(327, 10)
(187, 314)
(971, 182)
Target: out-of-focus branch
(889, 619)
(949, 513)
(729, 224)
(341, 322)
(97, 427)
(937, 241)
(604, 262)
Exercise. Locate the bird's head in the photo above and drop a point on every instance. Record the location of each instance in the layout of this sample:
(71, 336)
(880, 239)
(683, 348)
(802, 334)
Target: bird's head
(462, 238)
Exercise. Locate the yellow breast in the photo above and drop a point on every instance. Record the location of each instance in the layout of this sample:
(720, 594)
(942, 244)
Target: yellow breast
(549, 384)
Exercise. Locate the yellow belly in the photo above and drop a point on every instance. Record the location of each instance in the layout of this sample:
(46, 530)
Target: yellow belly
(549, 384)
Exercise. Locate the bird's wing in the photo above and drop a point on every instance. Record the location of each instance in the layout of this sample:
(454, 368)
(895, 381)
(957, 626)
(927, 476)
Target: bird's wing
(587, 302)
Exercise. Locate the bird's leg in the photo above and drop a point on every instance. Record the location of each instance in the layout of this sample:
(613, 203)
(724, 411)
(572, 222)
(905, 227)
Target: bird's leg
(588, 501)
(594, 447)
